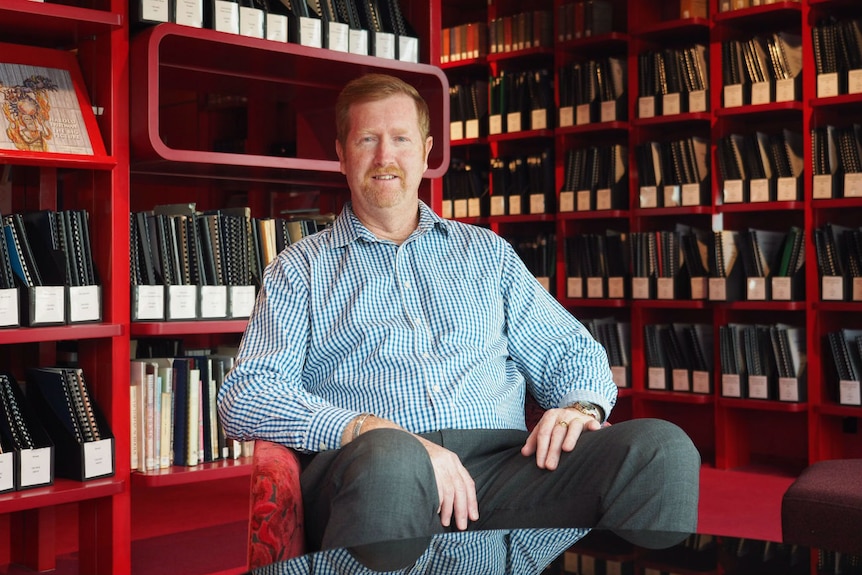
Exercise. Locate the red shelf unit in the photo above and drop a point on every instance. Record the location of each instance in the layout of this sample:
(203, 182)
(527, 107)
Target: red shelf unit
(175, 475)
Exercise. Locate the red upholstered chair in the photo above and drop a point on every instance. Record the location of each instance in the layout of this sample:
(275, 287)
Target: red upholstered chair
(276, 529)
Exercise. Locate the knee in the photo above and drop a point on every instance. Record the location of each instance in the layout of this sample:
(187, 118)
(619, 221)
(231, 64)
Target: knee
(383, 458)
(664, 444)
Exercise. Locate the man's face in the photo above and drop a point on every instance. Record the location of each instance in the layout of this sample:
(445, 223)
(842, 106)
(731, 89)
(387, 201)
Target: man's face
(384, 155)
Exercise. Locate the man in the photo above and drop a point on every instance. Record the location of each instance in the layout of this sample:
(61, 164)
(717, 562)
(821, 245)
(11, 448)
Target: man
(396, 348)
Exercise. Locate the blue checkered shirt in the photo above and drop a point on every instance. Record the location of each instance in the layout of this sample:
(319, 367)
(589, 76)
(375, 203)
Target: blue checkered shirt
(445, 331)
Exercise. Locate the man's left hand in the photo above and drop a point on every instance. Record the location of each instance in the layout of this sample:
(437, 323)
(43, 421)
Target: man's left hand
(557, 431)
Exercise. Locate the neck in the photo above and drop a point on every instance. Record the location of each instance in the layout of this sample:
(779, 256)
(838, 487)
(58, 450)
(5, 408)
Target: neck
(387, 225)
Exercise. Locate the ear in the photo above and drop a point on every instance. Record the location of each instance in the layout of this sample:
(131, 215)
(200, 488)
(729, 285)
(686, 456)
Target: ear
(429, 143)
(340, 152)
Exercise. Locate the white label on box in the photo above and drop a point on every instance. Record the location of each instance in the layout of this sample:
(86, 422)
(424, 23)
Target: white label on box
(758, 387)
(584, 203)
(854, 81)
(358, 42)
(49, 304)
(567, 116)
(456, 130)
(226, 16)
(567, 201)
(671, 196)
(545, 282)
(213, 301)
(182, 302)
(822, 187)
(338, 38)
(853, 185)
(640, 288)
(85, 303)
(35, 466)
(733, 191)
(446, 209)
(191, 13)
(155, 10)
(670, 104)
(498, 205)
(849, 392)
(515, 206)
(832, 288)
(717, 289)
(513, 122)
(827, 85)
(664, 288)
(646, 107)
(588, 565)
(7, 467)
(150, 302)
(460, 208)
(9, 309)
(251, 22)
(755, 289)
(582, 114)
(595, 287)
(699, 288)
(474, 207)
(733, 96)
(730, 385)
(856, 290)
(788, 389)
(697, 101)
(787, 189)
(620, 375)
(539, 119)
(608, 112)
(616, 287)
(310, 32)
(603, 199)
(679, 377)
(537, 203)
(384, 45)
(242, 300)
(98, 458)
(276, 27)
(408, 49)
(700, 381)
(471, 129)
(761, 93)
(656, 378)
(648, 196)
(574, 288)
(781, 288)
(691, 194)
(613, 567)
(785, 90)
(759, 190)
(495, 124)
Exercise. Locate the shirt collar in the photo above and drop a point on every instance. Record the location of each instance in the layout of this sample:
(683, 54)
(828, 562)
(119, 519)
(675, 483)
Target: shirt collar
(347, 228)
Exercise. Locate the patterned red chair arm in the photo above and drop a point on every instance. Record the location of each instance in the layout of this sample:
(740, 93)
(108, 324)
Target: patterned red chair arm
(276, 529)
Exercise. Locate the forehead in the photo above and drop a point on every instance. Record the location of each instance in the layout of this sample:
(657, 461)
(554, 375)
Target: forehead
(396, 110)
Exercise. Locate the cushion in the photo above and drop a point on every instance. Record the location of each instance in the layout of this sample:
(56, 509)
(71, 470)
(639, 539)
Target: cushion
(823, 507)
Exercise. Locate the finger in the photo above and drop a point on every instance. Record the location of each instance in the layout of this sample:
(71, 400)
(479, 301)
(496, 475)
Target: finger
(465, 505)
(560, 433)
(529, 447)
(446, 506)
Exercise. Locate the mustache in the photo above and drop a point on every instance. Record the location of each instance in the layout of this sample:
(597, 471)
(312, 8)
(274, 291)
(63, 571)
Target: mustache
(386, 172)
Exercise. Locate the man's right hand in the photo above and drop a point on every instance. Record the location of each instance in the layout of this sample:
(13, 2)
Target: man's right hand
(455, 487)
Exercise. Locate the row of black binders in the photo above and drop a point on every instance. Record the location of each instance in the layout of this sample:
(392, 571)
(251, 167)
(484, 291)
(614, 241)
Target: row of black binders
(762, 69)
(592, 91)
(760, 361)
(173, 411)
(839, 262)
(679, 357)
(761, 167)
(837, 46)
(673, 173)
(673, 81)
(188, 264)
(538, 252)
(367, 27)
(845, 375)
(596, 178)
(55, 429)
(837, 161)
(47, 274)
(521, 100)
(687, 263)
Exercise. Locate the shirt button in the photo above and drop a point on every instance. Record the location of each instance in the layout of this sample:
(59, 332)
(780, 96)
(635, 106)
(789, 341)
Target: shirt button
(407, 284)
(322, 447)
(436, 388)
(426, 355)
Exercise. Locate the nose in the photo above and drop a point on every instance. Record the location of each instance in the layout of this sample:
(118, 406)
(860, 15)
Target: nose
(383, 154)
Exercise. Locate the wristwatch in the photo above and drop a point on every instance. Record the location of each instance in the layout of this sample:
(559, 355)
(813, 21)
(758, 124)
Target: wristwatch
(590, 409)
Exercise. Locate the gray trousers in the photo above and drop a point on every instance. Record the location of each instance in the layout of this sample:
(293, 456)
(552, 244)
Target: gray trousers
(638, 478)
